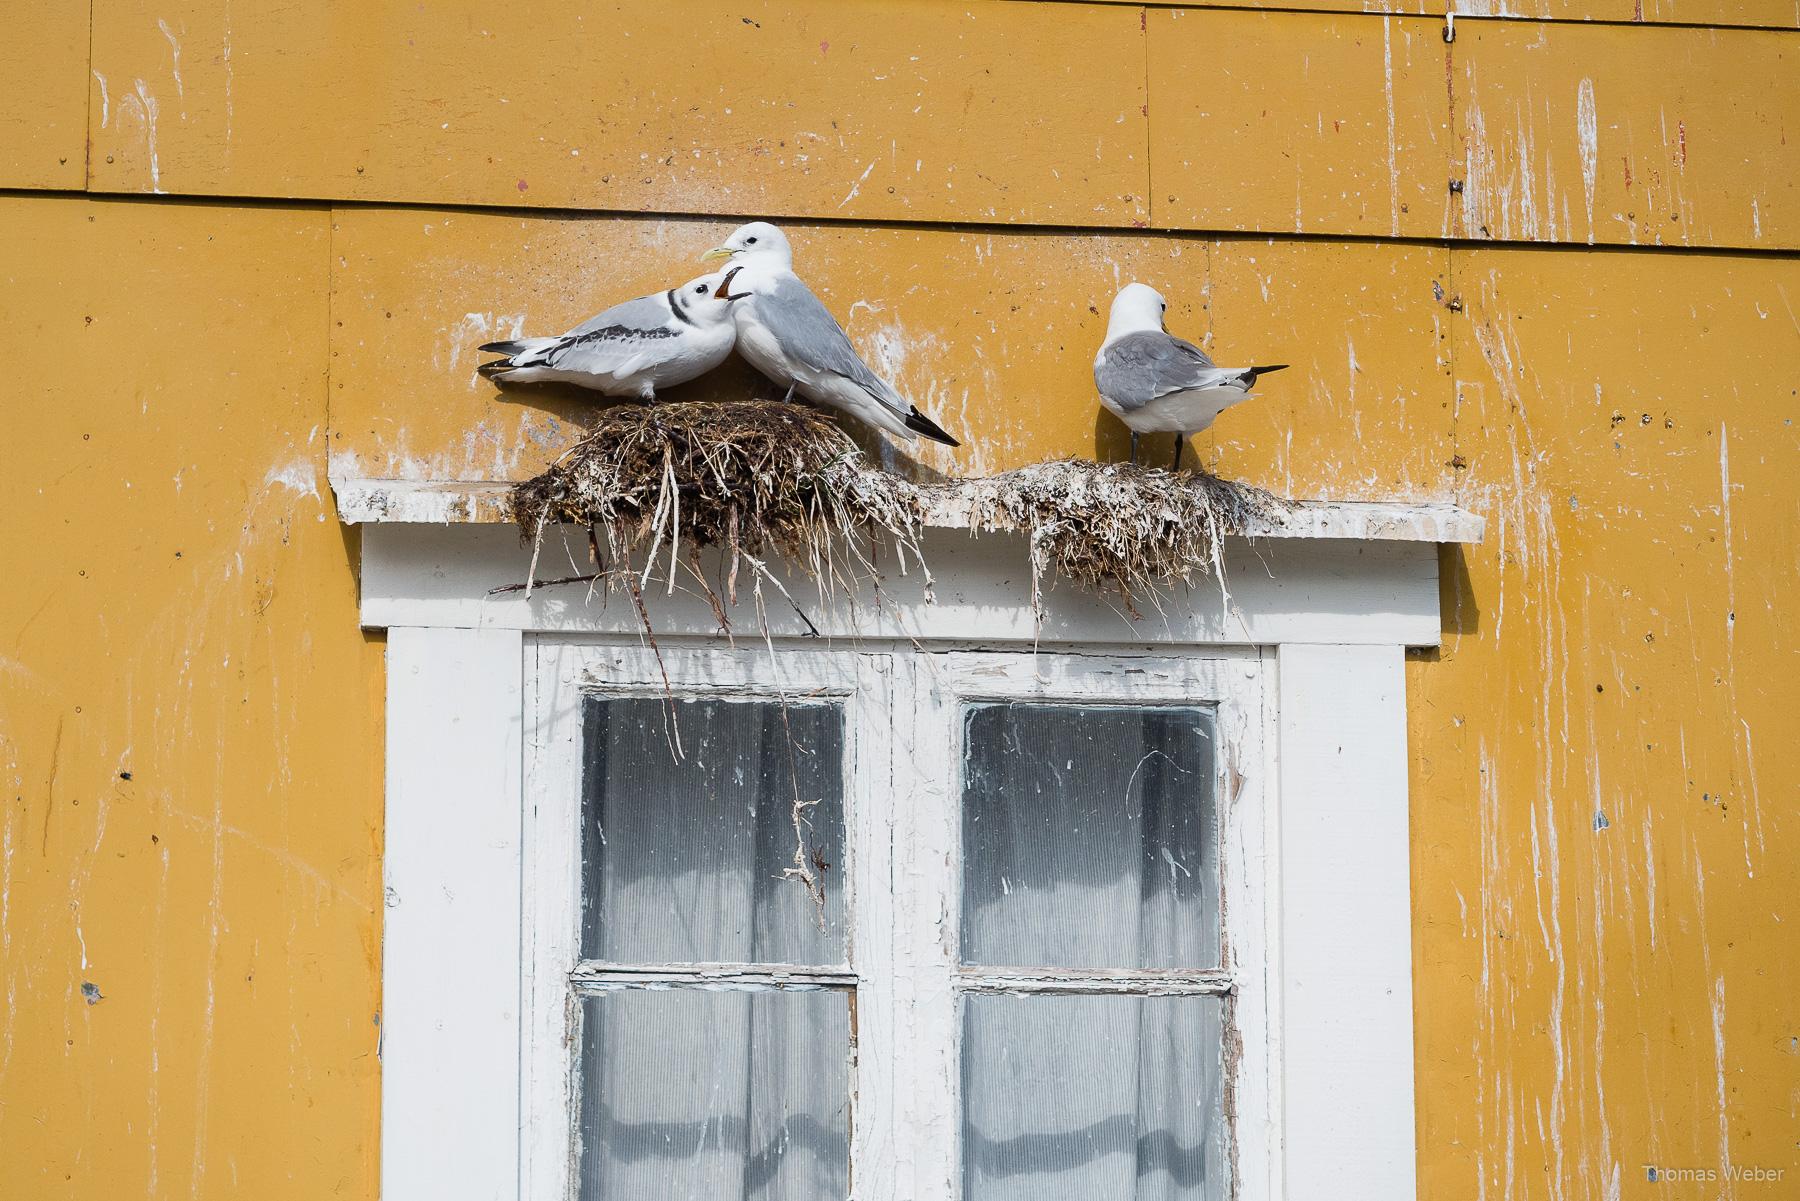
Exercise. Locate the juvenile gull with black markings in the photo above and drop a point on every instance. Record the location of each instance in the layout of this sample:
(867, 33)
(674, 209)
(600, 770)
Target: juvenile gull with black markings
(631, 349)
(1156, 383)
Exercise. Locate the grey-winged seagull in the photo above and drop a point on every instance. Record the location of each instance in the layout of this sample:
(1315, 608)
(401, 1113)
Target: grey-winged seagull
(632, 349)
(788, 334)
(1156, 383)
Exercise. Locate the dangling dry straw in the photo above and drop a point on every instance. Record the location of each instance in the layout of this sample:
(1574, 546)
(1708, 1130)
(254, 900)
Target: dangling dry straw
(752, 477)
(749, 477)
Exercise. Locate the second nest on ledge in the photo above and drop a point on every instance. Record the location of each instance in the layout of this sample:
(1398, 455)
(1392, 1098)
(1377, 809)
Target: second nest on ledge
(755, 477)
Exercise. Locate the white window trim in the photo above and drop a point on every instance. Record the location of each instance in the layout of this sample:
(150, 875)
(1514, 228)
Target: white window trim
(1330, 621)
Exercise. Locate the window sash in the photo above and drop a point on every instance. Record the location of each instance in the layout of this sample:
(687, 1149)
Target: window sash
(903, 763)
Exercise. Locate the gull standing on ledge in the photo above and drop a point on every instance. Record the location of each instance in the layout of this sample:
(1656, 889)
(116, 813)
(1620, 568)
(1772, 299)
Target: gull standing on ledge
(631, 349)
(788, 334)
(1156, 383)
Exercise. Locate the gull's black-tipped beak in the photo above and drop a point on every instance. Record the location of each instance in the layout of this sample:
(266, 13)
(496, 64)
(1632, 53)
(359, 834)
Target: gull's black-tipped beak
(724, 292)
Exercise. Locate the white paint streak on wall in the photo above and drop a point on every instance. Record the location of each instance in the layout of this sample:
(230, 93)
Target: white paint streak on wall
(1587, 131)
(298, 475)
(225, 57)
(174, 64)
(1387, 66)
(147, 109)
(105, 100)
(856, 187)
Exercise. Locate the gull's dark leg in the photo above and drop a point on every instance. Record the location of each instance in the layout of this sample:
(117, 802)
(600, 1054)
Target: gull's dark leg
(1180, 441)
(1134, 447)
(789, 398)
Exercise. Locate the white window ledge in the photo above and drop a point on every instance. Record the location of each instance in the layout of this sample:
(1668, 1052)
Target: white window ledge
(1346, 573)
(483, 502)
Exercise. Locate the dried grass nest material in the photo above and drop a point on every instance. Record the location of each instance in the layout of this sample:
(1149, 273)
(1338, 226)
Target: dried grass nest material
(753, 477)
(1118, 526)
(749, 477)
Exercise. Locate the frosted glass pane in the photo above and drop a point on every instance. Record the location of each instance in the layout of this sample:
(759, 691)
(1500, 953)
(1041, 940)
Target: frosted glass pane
(1093, 1099)
(1088, 837)
(682, 858)
(702, 1095)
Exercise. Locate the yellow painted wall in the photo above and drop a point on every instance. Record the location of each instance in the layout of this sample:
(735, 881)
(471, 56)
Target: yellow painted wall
(1606, 843)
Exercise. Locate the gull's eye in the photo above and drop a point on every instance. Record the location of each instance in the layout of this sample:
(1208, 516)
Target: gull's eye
(701, 289)
(749, 241)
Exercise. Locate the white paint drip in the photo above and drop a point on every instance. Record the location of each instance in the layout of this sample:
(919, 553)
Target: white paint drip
(856, 187)
(226, 58)
(298, 475)
(1587, 132)
(174, 63)
(147, 109)
(1387, 65)
(105, 101)
(1730, 557)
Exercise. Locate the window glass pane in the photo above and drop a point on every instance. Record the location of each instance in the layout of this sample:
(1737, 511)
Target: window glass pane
(1088, 837)
(703, 1094)
(682, 857)
(1093, 1099)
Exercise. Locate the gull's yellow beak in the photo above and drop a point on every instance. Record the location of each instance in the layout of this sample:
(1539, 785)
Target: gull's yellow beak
(717, 252)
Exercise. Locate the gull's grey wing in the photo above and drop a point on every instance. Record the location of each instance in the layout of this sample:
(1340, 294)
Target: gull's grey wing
(614, 339)
(809, 334)
(646, 312)
(1140, 367)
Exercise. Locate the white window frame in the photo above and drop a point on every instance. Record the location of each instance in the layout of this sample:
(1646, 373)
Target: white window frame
(1327, 621)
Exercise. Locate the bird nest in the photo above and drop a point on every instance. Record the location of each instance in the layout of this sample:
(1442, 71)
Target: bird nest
(657, 485)
(752, 478)
(1117, 526)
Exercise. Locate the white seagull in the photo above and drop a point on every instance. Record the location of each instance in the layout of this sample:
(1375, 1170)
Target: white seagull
(785, 332)
(631, 349)
(1156, 383)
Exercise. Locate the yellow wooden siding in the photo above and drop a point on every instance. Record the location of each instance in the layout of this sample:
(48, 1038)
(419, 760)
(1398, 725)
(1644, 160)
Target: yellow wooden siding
(1603, 797)
(190, 721)
(1298, 123)
(907, 110)
(1591, 995)
(1778, 14)
(44, 95)
(1662, 136)
(1366, 338)
(993, 334)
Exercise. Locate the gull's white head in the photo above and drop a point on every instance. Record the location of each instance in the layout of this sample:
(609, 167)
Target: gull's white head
(758, 239)
(1136, 308)
(707, 300)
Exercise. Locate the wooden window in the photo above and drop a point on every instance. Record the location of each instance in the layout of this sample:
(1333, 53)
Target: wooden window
(1207, 954)
(811, 922)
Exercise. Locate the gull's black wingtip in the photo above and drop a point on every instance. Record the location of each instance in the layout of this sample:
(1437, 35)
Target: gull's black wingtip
(506, 348)
(1256, 371)
(918, 423)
